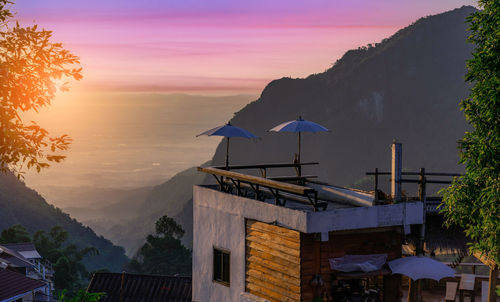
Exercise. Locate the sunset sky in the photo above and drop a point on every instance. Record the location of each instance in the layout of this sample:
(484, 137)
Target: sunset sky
(215, 47)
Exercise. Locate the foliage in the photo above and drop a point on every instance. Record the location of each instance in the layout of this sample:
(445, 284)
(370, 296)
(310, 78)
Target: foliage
(30, 67)
(67, 259)
(81, 296)
(15, 234)
(473, 201)
(167, 227)
(163, 253)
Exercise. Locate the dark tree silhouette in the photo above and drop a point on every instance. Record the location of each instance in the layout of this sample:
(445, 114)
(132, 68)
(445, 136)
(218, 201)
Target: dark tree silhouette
(163, 253)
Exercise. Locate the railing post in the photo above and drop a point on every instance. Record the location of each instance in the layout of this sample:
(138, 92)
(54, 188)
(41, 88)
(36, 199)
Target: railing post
(421, 185)
(376, 185)
(396, 168)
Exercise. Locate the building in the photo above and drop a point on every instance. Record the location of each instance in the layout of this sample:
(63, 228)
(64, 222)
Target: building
(40, 268)
(126, 287)
(260, 238)
(24, 275)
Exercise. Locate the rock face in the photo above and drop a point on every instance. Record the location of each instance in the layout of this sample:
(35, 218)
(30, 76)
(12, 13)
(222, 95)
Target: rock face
(408, 87)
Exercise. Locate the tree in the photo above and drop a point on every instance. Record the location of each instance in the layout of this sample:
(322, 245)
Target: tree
(166, 226)
(30, 67)
(15, 234)
(473, 200)
(163, 253)
(67, 260)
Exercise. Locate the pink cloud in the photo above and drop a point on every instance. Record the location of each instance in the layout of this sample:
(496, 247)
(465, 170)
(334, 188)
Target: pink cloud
(170, 45)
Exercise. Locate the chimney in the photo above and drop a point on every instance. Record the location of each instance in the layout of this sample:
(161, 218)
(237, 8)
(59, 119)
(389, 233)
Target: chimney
(396, 170)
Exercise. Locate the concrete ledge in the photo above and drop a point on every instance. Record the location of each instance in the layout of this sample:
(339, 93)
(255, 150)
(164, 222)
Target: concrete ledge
(365, 217)
(307, 221)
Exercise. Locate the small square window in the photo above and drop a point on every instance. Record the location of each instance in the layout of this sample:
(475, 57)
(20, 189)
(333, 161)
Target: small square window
(221, 266)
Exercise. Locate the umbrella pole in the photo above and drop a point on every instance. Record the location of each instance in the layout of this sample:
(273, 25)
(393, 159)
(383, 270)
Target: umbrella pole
(227, 154)
(414, 291)
(299, 168)
(299, 149)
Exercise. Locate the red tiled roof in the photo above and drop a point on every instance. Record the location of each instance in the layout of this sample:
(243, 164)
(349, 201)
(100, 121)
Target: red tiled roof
(138, 288)
(13, 284)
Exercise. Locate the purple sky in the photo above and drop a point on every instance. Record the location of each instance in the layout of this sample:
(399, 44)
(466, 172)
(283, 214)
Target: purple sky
(216, 47)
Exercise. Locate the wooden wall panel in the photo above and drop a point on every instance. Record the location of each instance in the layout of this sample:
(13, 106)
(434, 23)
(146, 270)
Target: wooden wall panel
(272, 262)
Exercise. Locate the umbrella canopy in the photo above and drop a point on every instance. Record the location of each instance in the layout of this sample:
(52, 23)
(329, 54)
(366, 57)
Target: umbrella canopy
(420, 267)
(228, 131)
(299, 125)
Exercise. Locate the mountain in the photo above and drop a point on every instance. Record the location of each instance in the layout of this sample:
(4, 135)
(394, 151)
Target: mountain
(22, 205)
(407, 87)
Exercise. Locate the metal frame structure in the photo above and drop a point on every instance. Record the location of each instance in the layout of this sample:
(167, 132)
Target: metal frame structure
(262, 188)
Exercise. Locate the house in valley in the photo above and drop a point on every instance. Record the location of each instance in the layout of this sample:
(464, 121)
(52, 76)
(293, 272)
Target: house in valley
(24, 275)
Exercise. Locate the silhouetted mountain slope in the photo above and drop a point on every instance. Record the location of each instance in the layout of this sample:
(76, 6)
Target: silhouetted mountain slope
(172, 198)
(22, 205)
(406, 87)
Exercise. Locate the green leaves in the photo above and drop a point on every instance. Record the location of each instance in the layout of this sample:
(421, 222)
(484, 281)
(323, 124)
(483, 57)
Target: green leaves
(15, 234)
(81, 296)
(473, 201)
(30, 65)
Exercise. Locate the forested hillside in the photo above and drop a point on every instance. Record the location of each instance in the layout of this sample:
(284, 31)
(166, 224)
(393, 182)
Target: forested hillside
(22, 205)
(408, 87)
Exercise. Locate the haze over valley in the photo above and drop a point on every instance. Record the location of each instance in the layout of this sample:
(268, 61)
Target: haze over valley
(127, 141)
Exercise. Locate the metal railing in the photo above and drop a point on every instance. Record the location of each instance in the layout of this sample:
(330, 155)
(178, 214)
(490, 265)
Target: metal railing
(262, 187)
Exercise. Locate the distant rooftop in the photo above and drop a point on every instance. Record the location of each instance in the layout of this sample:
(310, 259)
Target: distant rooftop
(13, 284)
(125, 287)
(27, 249)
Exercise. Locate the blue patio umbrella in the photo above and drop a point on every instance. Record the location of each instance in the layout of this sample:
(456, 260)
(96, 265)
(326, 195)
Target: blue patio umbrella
(228, 131)
(299, 125)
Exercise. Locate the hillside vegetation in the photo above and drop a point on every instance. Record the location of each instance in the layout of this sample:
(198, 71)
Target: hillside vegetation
(22, 205)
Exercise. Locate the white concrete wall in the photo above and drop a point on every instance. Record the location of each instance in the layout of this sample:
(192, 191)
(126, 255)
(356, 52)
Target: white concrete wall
(219, 220)
(365, 217)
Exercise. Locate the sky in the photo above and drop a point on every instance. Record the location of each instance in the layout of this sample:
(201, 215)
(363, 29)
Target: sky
(215, 47)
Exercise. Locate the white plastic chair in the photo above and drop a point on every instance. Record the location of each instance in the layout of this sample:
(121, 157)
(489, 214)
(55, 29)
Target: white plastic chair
(466, 287)
(467, 282)
(451, 291)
